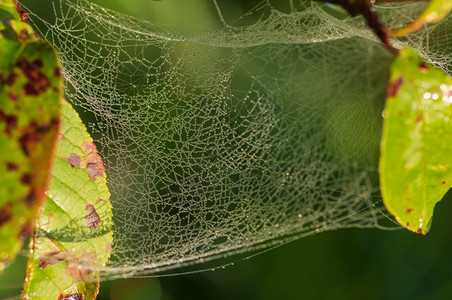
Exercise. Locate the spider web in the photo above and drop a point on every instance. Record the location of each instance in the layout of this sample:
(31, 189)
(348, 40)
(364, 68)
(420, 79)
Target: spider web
(258, 130)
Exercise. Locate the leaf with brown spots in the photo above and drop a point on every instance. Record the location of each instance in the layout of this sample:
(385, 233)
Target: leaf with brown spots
(29, 120)
(416, 149)
(73, 235)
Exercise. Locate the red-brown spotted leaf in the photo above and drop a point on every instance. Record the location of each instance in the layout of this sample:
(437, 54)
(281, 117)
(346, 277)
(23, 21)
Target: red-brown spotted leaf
(30, 91)
(73, 236)
(416, 147)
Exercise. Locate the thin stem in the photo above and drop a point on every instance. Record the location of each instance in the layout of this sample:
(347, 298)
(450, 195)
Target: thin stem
(220, 14)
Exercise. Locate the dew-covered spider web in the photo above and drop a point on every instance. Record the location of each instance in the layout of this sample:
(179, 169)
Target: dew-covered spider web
(257, 128)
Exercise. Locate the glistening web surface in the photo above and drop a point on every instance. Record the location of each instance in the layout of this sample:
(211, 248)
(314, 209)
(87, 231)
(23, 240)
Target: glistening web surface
(253, 128)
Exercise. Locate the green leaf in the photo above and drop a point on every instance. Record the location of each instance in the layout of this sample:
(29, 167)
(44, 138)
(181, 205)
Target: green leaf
(435, 11)
(73, 236)
(30, 91)
(416, 148)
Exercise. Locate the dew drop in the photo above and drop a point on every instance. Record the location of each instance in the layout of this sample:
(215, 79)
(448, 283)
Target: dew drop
(427, 96)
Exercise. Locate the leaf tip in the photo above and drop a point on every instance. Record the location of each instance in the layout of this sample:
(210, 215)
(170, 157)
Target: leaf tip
(420, 231)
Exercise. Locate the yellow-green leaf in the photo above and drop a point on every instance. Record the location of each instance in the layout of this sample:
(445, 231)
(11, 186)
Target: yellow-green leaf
(30, 91)
(435, 11)
(416, 147)
(73, 235)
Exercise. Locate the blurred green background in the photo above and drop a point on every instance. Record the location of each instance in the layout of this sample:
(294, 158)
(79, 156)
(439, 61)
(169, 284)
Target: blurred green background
(343, 264)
